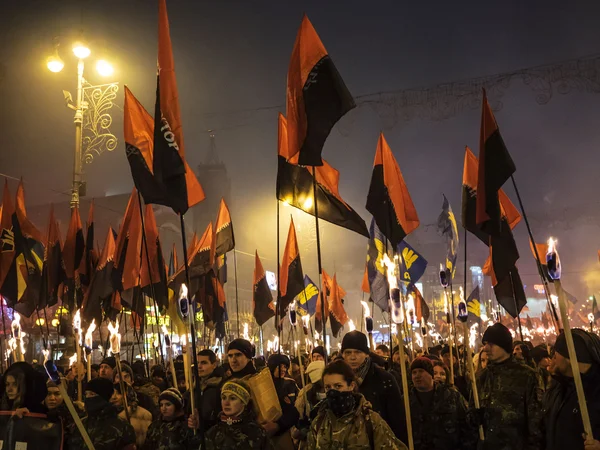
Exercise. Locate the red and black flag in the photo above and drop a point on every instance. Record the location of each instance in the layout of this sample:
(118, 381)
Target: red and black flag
(495, 168)
(202, 256)
(173, 265)
(421, 308)
(139, 147)
(337, 313)
(469, 196)
(181, 187)
(291, 278)
(262, 298)
(224, 238)
(317, 97)
(7, 235)
(74, 245)
(100, 292)
(23, 281)
(321, 302)
(295, 186)
(53, 272)
(154, 278)
(125, 274)
(90, 257)
(388, 199)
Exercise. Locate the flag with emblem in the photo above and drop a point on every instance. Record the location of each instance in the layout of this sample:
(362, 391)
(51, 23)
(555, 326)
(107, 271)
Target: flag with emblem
(306, 301)
(23, 281)
(53, 272)
(378, 283)
(263, 307)
(474, 307)
(295, 187)
(388, 200)
(317, 96)
(181, 187)
(412, 265)
(446, 225)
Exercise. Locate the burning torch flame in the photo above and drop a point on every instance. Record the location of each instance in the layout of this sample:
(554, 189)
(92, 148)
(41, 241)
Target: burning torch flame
(246, 332)
(473, 335)
(591, 317)
(16, 326)
(88, 334)
(276, 344)
(367, 311)
(77, 325)
(306, 320)
(115, 337)
(391, 271)
(351, 325)
(73, 360)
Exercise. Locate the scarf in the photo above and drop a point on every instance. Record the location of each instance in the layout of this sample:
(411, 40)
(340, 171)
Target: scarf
(361, 371)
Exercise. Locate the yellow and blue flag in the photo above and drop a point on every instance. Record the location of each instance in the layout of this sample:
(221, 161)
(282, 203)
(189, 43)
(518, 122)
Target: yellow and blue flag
(306, 300)
(474, 307)
(447, 228)
(412, 265)
(375, 270)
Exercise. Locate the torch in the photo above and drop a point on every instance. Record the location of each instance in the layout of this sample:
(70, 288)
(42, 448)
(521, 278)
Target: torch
(463, 315)
(368, 323)
(19, 348)
(294, 321)
(52, 372)
(167, 341)
(592, 320)
(397, 316)
(115, 349)
(88, 347)
(424, 334)
(444, 283)
(184, 310)
(77, 336)
(554, 271)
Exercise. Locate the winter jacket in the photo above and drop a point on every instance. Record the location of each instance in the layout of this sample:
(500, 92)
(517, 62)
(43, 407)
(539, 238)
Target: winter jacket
(562, 426)
(208, 402)
(106, 430)
(140, 419)
(510, 397)
(444, 425)
(287, 392)
(354, 431)
(171, 435)
(383, 393)
(242, 433)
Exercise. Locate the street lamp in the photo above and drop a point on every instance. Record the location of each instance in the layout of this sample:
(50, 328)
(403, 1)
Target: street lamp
(92, 113)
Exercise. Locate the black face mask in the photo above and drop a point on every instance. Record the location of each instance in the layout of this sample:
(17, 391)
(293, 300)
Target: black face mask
(95, 404)
(340, 403)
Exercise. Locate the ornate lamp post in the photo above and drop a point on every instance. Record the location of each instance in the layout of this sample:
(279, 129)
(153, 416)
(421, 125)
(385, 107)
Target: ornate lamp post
(92, 114)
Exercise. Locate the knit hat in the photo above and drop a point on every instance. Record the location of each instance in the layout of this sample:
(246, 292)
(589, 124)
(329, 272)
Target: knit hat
(101, 386)
(109, 361)
(319, 350)
(315, 370)
(355, 340)
(276, 360)
(237, 388)
(586, 346)
(538, 353)
(243, 346)
(172, 395)
(126, 369)
(498, 335)
(422, 363)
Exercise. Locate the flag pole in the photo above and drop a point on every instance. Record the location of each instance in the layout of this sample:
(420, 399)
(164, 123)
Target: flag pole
(237, 303)
(323, 318)
(516, 306)
(454, 327)
(145, 244)
(192, 312)
(278, 306)
(537, 256)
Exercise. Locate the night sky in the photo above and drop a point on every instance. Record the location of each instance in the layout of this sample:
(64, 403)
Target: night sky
(231, 61)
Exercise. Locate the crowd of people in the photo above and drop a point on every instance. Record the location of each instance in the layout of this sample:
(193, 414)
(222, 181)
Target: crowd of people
(351, 399)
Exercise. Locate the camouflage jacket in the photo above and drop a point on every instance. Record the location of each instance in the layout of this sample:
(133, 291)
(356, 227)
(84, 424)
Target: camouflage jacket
(510, 396)
(106, 431)
(351, 432)
(172, 435)
(241, 434)
(443, 424)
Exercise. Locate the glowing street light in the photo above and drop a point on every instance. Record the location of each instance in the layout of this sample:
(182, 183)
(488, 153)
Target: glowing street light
(104, 68)
(55, 63)
(81, 50)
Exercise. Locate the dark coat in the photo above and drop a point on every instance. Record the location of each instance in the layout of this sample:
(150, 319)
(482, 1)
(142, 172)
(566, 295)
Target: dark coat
(208, 402)
(444, 425)
(563, 427)
(171, 435)
(381, 390)
(106, 430)
(287, 391)
(241, 434)
(510, 396)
